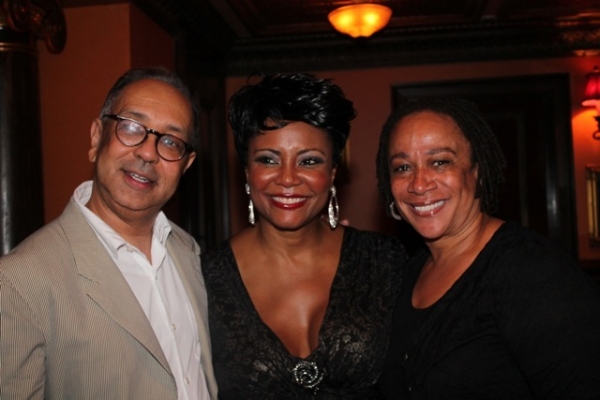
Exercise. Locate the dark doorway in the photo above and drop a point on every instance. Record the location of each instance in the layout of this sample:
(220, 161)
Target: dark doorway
(531, 117)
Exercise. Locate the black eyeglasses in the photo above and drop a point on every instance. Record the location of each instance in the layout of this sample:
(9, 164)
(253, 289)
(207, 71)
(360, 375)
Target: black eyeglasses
(132, 133)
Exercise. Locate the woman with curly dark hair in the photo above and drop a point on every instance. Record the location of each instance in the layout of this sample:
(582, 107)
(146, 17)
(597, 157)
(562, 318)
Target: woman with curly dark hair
(299, 305)
(488, 309)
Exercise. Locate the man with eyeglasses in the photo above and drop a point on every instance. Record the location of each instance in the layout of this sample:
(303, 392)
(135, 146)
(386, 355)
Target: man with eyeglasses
(108, 301)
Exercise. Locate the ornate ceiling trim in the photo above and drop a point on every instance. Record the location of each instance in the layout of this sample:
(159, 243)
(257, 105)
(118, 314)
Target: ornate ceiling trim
(489, 41)
(210, 44)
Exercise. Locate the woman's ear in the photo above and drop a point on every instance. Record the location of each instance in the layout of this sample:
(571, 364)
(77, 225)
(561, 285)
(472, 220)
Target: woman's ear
(333, 173)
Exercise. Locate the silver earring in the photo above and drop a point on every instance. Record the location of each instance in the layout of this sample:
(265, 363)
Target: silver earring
(394, 212)
(333, 211)
(250, 208)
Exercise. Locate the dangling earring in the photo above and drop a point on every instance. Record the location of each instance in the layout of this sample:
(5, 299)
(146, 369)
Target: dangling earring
(333, 211)
(250, 208)
(394, 213)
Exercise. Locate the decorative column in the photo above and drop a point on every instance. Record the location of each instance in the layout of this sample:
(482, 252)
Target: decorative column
(22, 22)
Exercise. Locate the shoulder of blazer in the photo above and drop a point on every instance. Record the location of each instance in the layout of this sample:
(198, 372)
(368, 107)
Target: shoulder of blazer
(184, 239)
(45, 244)
(41, 264)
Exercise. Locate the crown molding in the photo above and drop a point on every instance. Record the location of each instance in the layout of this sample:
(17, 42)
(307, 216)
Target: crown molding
(413, 46)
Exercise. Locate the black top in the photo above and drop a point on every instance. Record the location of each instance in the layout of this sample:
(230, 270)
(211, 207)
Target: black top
(523, 322)
(251, 362)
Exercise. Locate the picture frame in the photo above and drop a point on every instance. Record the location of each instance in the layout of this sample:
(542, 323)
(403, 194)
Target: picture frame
(593, 201)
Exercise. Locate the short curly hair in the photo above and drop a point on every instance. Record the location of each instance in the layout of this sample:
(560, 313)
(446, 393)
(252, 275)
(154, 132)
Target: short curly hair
(278, 99)
(486, 153)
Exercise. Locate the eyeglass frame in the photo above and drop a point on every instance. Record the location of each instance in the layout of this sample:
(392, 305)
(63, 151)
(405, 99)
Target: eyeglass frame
(187, 150)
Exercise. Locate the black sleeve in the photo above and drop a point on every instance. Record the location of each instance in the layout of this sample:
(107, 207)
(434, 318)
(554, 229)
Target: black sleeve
(549, 313)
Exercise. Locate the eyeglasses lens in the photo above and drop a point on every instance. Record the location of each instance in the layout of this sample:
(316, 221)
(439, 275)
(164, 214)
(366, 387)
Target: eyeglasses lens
(132, 133)
(170, 148)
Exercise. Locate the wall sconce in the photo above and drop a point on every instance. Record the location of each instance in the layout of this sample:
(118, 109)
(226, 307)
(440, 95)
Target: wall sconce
(592, 96)
(362, 19)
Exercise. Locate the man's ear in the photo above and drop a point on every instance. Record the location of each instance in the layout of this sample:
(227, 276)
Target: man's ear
(96, 137)
(190, 160)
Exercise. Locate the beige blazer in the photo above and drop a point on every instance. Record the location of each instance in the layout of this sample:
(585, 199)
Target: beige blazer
(70, 326)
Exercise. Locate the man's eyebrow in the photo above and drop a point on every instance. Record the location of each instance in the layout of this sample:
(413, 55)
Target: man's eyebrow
(142, 118)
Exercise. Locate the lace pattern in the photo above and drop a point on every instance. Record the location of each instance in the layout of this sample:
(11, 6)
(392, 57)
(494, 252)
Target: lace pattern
(251, 362)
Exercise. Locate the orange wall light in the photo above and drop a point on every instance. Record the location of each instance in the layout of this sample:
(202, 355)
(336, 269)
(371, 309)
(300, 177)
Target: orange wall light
(360, 19)
(592, 96)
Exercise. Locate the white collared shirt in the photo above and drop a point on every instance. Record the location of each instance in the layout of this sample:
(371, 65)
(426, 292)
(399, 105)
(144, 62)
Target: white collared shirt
(161, 294)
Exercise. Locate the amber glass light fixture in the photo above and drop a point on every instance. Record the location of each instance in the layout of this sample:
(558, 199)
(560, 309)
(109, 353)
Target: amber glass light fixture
(362, 19)
(592, 96)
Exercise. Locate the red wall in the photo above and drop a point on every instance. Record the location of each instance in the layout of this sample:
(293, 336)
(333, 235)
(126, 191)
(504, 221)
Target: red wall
(102, 43)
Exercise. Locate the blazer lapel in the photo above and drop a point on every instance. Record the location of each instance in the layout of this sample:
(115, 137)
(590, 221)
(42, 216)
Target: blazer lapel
(108, 288)
(188, 266)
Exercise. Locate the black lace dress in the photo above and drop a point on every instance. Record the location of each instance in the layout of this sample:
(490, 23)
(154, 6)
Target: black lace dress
(251, 362)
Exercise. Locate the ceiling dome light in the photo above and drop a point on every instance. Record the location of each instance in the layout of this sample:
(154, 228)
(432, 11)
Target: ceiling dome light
(360, 19)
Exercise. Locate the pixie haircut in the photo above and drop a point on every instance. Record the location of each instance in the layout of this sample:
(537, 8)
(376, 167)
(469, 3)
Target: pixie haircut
(277, 99)
(486, 153)
(158, 74)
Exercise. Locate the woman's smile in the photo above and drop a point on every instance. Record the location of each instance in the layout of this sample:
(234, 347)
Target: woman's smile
(288, 202)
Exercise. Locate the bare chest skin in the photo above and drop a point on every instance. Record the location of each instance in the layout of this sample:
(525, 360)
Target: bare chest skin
(448, 263)
(434, 281)
(290, 286)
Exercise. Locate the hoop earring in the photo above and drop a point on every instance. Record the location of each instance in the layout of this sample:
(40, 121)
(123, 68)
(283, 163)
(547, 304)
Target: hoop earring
(251, 218)
(333, 211)
(394, 212)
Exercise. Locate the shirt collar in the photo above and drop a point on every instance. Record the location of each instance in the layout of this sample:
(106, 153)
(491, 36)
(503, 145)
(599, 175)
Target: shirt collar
(112, 240)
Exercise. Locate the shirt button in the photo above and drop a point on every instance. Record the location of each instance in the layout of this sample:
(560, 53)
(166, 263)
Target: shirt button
(410, 388)
(187, 380)
(405, 356)
(173, 326)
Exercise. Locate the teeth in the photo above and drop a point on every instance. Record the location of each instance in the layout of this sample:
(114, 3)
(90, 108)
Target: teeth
(429, 207)
(139, 178)
(288, 200)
